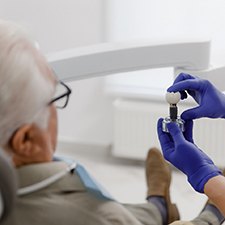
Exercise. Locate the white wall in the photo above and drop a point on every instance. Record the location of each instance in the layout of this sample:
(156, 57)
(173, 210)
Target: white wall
(59, 25)
(132, 19)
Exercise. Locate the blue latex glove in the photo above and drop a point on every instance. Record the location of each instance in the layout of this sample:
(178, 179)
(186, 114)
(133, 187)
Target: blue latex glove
(211, 101)
(179, 149)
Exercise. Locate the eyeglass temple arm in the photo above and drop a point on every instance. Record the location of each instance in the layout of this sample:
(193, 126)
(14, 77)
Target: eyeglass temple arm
(190, 56)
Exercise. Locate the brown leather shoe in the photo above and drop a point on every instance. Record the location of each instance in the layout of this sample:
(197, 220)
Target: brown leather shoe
(158, 177)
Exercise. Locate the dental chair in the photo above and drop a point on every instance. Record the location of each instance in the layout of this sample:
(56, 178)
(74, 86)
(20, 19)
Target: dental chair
(8, 187)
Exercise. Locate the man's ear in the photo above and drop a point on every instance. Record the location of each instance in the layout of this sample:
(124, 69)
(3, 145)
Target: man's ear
(21, 141)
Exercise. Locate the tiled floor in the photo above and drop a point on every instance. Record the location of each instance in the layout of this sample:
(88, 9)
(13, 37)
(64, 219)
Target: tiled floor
(125, 180)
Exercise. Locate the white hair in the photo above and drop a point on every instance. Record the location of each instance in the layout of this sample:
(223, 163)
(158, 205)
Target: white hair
(25, 88)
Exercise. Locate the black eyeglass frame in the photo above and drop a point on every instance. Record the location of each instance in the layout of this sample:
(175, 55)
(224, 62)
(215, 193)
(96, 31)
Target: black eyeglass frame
(69, 91)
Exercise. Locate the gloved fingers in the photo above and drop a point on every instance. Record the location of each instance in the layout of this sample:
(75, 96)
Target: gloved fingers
(192, 114)
(188, 133)
(164, 138)
(192, 84)
(175, 133)
(183, 76)
(183, 95)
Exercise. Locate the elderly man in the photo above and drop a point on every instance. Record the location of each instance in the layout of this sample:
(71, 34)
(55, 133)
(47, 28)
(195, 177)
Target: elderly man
(53, 191)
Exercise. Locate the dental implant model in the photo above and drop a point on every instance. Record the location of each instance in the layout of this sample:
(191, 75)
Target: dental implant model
(173, 98)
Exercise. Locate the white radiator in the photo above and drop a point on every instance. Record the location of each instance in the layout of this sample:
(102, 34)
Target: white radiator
(135, 130)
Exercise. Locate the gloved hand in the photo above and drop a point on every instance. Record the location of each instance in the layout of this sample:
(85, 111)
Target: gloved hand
(211, 101)
(179, 149)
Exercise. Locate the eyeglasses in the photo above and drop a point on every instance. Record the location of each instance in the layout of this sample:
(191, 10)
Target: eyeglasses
(62, 95)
